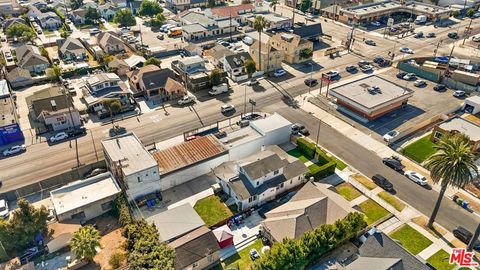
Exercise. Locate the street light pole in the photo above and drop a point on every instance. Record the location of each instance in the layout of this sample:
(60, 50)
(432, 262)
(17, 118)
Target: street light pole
(310, 83)
(318, 131)
(245, 100)
(468, 31)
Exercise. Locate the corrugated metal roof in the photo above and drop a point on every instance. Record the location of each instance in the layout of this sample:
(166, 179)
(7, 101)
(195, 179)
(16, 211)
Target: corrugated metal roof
(188, 153)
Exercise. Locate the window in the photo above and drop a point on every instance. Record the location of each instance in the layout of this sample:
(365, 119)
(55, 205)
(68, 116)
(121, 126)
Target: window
(291, 181)
(80, 215)
(258, 183)
(281, 185)
(138, 179)
(275, 172)
(107, 206)
(437, 135)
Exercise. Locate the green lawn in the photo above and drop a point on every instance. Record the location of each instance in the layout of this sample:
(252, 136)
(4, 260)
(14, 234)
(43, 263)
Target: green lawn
(411, 239)
(348, 191)
(392, 200)
(419, 150)
(298, 154)
(373, 211)
(211, 210)
(242, 258)
(364, 181)
(314, 167)
(440, 260)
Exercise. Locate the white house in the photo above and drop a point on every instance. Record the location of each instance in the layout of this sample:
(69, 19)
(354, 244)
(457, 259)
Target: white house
(107, 11)
(102, 81)
(234, 66)
(261, 177)
(50, 20)
(132, 165)
(197, 26)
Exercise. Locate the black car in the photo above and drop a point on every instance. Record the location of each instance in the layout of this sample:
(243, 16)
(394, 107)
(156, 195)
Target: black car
(311, 82)
(465, 236)
(400, 75)
(77, 132)
(418, 35)
(378, 60)
(362, 63)
(440, 87)
(351, 69)
(31, 253)
(382, 182)
(393, 163)
(453, 35)
(304, 131)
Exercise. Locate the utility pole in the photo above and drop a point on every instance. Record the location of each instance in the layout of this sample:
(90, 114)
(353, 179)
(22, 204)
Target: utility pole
(245, 100)
(318, 131)
(352, 39)
(468, 31)
(436, 49)
(72, 127)
(230, 30)
(310, 84)
(293, 10)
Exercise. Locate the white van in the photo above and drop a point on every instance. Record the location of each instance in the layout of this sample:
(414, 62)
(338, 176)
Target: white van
(4, 211)
(421, 19)
(218, 89)
(248, 41)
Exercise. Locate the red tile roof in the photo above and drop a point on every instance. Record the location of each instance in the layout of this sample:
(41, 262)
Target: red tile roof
(231, 10)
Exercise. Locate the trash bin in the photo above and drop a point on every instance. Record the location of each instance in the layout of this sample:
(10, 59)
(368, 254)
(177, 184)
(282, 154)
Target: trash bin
(465, 204)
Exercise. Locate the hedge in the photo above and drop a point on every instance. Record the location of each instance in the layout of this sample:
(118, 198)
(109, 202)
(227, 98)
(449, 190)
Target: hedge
(327, 164)
(308, 148)
(319, 172)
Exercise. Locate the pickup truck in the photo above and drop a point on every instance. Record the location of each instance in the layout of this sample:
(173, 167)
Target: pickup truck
(218, 89)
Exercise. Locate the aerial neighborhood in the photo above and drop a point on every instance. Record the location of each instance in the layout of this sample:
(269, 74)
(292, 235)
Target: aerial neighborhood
(239, 134)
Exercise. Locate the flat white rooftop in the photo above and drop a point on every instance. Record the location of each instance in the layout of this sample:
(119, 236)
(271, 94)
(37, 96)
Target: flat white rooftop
(130, 150)
(463, 126)
(270, 123)
(84, 192)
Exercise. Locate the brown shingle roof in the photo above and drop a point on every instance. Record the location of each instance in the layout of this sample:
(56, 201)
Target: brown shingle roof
(172, 86)
(231, 10)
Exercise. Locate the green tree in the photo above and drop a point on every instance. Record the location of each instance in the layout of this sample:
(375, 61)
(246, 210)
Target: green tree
(84, 242)
(92, 15)
(250, 68)
(305, 5)
(153, 61)
(158, 20)
(273, 4)
(150, 8)
(113, 106)
(456, 13)
(215, 77)
(54, 73)
(28, 36)
(470, 12)
(306, 53)
(124, 17)
(21, 229)
(116, 260)
(211, 3)
(451, 165)
(76, 4)
(107, 58)
(19, 30)
(258, 25)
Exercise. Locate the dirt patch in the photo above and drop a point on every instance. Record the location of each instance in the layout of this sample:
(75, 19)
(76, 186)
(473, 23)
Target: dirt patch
(473, 189)
(422, 221)
(475, 206)
(111, 243)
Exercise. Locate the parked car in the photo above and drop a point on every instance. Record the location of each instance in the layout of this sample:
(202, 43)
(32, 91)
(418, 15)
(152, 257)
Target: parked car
(332, 74)
(31, 253)
(363, 63)
(420, 83)
(251, 116)
(406, 50)
(453, 35)
(227, 108)
(465, 236)
(94, 172)
(431, 35)
(375, 23)
(310, 17)
(378, 60)
(296, 128)
(4, 211)
(418, 35)
(254, 254)
(94, 31)
(416, 177)
(304, 131)
(59, 137)
(248, 41)
(14, 150)
(311, 82)
(410, 77)
(218, 89)
(253, 82)
(390, 135)
(459, 93)
(160, 37)
(370, 42)
(476, 38)
(186, 100)
(382, 182)
(77, 131)
(440, 87)
(401, 74)
(351, 69)
(476, 15)
(243, 123)
(279, 73)
(367, 68)
(393, 163)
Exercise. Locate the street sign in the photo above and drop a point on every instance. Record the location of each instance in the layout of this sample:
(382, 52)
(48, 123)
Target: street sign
(254, 103)
(390, 22)
(325, 78)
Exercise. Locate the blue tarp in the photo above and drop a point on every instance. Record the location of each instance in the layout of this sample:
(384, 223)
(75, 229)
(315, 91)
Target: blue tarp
(442, 59)
(10, 134)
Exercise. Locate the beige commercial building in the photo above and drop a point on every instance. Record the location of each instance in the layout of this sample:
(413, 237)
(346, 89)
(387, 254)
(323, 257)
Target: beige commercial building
(294, 48)
(271, 58)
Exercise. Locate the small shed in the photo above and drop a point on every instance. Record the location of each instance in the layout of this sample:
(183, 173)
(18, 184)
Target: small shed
(224, 236)
(472, 105)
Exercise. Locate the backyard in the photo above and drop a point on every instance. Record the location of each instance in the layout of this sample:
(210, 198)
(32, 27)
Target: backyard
(440, 260)
(411, 240)
(373, 211)
(348, 191)
(298, 154)
(420, 150)
(242, 258)
(212, 210)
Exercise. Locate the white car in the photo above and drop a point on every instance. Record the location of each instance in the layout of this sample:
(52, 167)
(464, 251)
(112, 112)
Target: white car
(476, 38)
(279, 73)
(58, 137)
(375, 23)
(390, 135)
(94, 31)
(186, 100)
(14, 150)
(416, 177)
(420, 83)
(253, 82)
(227, 108)
(332, 74)
(4, 209)
(459, 93)
(406, 50)
(410, 77)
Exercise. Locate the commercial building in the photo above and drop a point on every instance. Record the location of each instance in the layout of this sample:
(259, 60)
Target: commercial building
(181, 5)
(369, 98)
(459, 125)
(197, 26)
(85, 199)
(10, 131)
(294, 48)
(313, 205)
(274, 22)
(133, 166)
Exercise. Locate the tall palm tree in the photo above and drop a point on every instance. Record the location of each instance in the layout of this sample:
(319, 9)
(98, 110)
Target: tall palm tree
(259, 24)
(452, 165)
(84, 242)
(474, 239)
(273, 4)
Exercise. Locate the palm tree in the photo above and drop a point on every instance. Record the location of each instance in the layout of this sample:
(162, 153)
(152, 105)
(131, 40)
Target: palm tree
(259, 24)
(273, 4)
(113, 106)
(452, 165)
(250, 68)
(84, 242)
(474, 239)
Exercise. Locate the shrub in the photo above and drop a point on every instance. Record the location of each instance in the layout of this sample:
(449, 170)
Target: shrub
(116, 260)
(308, 148)
(319, 172)
(121, 210)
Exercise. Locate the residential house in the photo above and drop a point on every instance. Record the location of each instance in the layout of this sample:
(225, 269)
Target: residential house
(119, 66)
(193, 50)
(261, 177)
(10, 8)
(86, 199)
(110, 43)
(311, 32)
(197, 26)
(462, 125)
(71, 49)
(134, 6)
(52, 109)
(271, 58)
(194, 73)
(60, 5)
(294, 48)
(273, 22)
(78, 16)
(197, 249)
(181, 5)
(89, 4)
(19, 77)
(234, 66)
(155, 84)
(30, 58)
(132, 165)
(12, 21)
(313, 205)
(49, 20)
(40, 4)
(107, 11)
(33, 12)
(119, 3)
(217, 53)
(102, 81)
